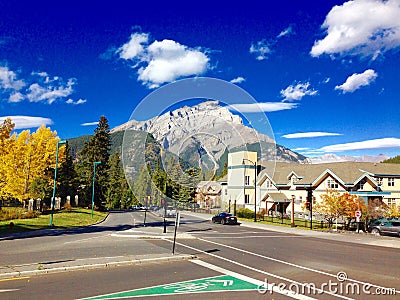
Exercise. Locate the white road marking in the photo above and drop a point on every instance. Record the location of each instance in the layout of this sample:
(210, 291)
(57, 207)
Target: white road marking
(86, 239)
(295, 265)
(234, 233)
(10, 290)
(257, 270)
(250, 236)
(257, 282)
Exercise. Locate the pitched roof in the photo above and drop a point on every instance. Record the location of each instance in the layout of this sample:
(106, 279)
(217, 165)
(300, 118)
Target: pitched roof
(348, 172)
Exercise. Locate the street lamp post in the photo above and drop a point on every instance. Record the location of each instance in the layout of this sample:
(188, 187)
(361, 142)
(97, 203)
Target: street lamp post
(292, 212)
(94, 179)
(55, 183)
(255, 186)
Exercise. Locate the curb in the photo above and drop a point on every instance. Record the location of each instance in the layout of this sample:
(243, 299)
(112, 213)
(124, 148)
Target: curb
(16, 274)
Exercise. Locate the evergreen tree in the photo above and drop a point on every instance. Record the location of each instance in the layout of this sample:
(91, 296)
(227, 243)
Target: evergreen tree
(97, 149)
(142, 185)
(67, 176)
(393, 160)
(118, 195)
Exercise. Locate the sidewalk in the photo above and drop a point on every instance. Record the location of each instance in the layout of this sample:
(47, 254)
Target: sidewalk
(87, 263)
(349, 237)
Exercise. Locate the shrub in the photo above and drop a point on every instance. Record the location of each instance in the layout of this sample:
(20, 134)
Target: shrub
(67, 207)
(12, 213)
(245, 213)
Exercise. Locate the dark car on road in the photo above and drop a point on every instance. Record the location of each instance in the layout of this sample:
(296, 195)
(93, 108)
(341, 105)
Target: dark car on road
(224, 218)
(385, 228)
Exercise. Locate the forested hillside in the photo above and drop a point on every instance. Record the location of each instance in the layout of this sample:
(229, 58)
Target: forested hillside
(393, 160)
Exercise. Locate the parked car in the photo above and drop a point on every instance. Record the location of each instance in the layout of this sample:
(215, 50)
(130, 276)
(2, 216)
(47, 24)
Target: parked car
(385, 228)
(224, 218)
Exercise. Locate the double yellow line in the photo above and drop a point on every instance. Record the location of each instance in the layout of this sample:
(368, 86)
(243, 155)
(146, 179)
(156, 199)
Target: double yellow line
(14, 278)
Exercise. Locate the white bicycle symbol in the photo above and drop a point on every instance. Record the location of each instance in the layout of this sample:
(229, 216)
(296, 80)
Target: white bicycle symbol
(183, 287)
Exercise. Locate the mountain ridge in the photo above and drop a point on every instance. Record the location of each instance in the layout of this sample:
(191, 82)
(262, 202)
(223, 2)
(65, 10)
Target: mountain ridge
(213, 128)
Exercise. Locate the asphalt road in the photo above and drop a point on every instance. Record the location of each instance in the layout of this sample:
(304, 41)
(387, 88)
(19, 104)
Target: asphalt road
(240, 262)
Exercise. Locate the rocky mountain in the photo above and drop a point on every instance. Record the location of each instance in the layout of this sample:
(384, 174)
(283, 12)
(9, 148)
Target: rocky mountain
(336, 158)
(201, 134)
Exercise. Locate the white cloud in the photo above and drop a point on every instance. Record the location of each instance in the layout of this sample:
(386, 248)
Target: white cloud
(162, 61)
(23, 122)
(16, 97)
(262, 107)
(260, 49)
(43, 89)
(286, 32)
(171, 60)
(238, 80)
(49, 94)
(363, 145)
(90, 123)
(80, 101)
(297, 92)
(134, 47)
(356, 81)
(361, 27)
(301, 149)
(41, 74)
(312, 134)
(8, 80)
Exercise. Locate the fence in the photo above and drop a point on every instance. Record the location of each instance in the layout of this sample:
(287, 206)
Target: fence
(306, 223)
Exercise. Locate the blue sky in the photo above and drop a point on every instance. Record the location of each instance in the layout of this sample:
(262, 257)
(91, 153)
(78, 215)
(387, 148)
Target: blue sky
(325, 75)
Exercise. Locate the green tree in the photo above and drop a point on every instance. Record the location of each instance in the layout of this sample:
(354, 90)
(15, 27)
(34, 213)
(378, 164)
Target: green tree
(393, 160)
(67, 175)
(96, 149)
(118, 193)
(142, 185)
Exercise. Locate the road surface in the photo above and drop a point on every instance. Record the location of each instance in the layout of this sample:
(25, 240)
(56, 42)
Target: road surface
(232, 262)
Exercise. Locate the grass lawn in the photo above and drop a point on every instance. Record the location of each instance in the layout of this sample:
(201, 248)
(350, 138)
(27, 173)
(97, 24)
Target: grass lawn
(61, 219)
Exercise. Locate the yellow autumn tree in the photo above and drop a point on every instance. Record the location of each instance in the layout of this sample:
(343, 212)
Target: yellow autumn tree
(334, 205)
(393, 212)
(330, 207)
(30, 156)
(5, 145)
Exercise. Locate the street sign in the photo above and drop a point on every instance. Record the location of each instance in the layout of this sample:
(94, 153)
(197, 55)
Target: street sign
(204, 285)
(357, 213)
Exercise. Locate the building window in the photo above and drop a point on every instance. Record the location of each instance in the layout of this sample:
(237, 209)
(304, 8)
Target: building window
(267, 183)
(379, 180)
(246, 199)
(390, 181)
(226, 192)
(360, 186)
(301, 199)
(391, 202)
(332, 184)
(246, 180)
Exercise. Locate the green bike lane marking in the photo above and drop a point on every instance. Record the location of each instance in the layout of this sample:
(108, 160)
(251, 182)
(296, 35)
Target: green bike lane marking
(230, 281)
(203, 285)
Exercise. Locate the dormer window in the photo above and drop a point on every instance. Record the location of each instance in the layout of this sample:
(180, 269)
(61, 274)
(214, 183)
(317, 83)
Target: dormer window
(332, 184)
